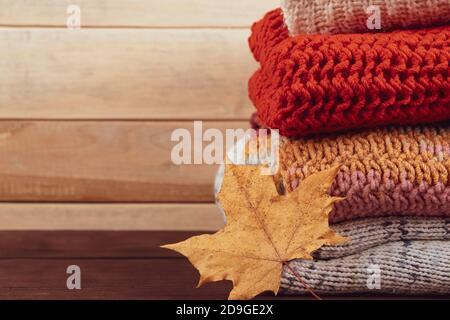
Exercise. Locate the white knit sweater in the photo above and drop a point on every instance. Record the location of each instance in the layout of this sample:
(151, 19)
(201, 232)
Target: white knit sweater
(351, 16)
(411, 254)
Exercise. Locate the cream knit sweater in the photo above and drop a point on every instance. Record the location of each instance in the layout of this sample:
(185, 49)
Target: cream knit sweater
(411, 254)
(350, 16)
(406, 267)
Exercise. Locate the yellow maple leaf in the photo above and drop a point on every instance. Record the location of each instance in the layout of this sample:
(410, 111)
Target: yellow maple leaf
(264, 230)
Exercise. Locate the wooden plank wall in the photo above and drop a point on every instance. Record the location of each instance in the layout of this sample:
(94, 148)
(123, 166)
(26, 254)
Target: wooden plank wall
(86, 115)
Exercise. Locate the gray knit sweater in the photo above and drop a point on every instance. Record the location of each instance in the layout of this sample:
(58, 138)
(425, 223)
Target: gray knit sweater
(394, 255)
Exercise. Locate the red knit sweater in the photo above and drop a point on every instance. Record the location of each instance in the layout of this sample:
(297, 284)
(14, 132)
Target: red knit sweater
(311, 84)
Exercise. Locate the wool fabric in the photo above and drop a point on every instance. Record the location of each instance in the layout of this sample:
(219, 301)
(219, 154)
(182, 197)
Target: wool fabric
(384, 171)
(406, 267)
(311, 84)
(364, 234)
(350, 16)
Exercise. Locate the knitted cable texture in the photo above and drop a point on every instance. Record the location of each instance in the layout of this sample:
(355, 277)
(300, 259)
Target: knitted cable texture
(364, 234)
(407, 267)
(326, 83)
(384, 172)
(350, 16)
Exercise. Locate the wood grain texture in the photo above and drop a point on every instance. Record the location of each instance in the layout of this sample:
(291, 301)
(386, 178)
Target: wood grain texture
(105, 279)
(135, 217)
(148, 279)
(66, 161)
(124, 74)
(120, 272)
(136, 13)
(90, 244)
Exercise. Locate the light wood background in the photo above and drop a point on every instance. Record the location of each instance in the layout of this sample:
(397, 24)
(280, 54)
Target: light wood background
(86, 115)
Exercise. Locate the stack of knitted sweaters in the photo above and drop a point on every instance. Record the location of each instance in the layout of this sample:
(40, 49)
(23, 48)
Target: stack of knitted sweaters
(376, 103)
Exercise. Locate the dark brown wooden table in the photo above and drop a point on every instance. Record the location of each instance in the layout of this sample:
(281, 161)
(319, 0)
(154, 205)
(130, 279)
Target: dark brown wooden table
(114, 265)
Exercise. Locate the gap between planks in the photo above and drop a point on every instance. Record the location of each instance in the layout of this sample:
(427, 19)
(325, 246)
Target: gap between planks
(24, 26)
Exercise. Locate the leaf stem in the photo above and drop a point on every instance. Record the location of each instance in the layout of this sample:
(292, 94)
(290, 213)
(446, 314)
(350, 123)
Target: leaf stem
(307, 287)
